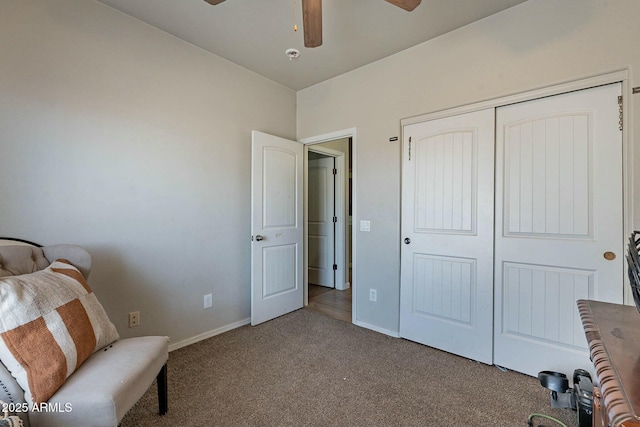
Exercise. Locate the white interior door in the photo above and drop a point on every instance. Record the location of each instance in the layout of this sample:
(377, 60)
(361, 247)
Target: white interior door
(559, 220)
(446, 296)
(321, 224)
(276, 226)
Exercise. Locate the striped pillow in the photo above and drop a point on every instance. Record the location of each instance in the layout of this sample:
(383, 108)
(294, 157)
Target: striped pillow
(50, 322)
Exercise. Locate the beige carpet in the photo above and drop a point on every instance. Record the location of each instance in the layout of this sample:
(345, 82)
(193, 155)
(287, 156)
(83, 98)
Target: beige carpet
(306, 369)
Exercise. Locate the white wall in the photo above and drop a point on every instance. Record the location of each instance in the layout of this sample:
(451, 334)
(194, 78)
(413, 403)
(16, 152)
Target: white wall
(136, 145)
(535, 44)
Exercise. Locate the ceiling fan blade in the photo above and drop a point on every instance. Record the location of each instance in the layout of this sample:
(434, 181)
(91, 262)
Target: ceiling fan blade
(214, 2)
(312, 22)
(407, 5)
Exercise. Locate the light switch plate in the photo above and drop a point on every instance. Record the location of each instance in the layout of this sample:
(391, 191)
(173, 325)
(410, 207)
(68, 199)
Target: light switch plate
(365, 225)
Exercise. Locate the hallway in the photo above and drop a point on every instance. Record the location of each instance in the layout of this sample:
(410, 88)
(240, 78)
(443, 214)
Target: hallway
(331, 302)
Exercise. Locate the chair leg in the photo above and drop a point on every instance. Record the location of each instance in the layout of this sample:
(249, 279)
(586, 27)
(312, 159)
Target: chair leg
(163, 398)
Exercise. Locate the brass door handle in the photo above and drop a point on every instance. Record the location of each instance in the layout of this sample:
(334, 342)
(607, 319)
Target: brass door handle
(609, 256)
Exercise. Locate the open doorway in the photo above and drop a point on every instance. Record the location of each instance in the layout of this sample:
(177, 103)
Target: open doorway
(329, 244)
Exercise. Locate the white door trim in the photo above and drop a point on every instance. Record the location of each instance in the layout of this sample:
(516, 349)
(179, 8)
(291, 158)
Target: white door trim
(331, 136)
(621, 75)
(535, 93)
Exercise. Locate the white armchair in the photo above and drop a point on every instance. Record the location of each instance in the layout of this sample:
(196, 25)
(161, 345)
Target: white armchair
(109, 382)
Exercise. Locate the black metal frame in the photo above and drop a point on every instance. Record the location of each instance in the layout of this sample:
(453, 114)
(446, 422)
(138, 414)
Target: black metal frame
(21, 241)
(633, 259)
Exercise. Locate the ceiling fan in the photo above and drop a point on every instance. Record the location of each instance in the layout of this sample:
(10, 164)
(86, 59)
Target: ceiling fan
(312, 17)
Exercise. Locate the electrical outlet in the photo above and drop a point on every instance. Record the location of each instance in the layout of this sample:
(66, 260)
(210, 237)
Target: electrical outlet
(134, 319)
(208, 300)
(373, 295)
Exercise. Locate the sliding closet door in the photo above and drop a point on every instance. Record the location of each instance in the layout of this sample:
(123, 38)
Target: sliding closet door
(447, 231)
(558, 225)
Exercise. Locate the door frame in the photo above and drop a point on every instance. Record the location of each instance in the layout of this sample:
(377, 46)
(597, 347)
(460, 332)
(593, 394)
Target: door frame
(622, 76)
(308, 143)
(339, 205)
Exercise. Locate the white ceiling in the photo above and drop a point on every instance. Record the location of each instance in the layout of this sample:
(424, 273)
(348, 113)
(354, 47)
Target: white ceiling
(256, 33)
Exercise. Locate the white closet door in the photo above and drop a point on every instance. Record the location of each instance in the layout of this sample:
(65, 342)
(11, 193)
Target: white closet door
(321, 225)
(447, 231)
(558, 221)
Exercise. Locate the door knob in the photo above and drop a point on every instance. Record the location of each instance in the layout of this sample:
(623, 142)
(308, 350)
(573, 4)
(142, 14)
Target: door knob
(259, 238)
(407, 240)
(609, 256)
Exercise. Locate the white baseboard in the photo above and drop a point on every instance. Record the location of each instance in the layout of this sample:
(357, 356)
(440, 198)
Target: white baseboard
(343, 286)
(208, 334)
(389, 332)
